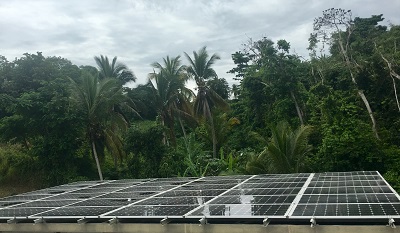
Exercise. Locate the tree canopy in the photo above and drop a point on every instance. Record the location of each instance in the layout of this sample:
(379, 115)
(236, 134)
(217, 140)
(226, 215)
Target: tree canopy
(337, 110)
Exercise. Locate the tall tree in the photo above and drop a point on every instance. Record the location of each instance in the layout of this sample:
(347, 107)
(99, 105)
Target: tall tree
(35, 112)
(220, 86)
(104, 122)
(273, 82)
(170, 93)
(336, 26)
(114, 70)
(200, 69)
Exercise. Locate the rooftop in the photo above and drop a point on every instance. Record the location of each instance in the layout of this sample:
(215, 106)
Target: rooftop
(300, 202)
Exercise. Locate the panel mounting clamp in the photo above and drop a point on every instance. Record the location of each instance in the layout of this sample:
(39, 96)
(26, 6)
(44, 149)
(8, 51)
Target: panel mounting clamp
(391, 223)
(203, 221)
(39, 220)
(13, 220)
(113, 220)
(165, 221)
(313, 222)
(266, 222)
(82, 221)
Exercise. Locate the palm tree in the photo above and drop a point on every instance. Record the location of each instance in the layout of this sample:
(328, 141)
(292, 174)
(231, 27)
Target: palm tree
(200, 70)
(222, 128)
(286, 151)
(99, 100)
(235, 90)
(114, 70)
(171, 97)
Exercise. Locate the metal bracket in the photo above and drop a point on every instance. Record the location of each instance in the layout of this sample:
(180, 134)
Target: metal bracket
(113, 221)
(391, 223)
(82, 221)
(13, 220)
(165, 221)
(39, 220)
(266, 222)
(313, 222)
(203, 221)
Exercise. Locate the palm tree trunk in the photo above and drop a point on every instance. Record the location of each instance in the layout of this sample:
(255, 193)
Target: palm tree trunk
(164, 140)
(172, 134)
(214, 138)
(182, 127)
(97, 161)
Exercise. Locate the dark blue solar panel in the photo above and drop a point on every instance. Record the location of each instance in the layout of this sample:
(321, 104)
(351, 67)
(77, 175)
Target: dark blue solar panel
(305, 195)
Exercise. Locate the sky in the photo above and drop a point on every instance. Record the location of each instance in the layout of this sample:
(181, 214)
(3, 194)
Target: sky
(140, 32)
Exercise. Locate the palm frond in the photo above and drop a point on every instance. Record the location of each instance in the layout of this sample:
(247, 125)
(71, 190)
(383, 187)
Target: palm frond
(114, 69)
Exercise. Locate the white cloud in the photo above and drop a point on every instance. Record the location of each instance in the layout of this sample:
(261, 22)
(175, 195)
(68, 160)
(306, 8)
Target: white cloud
(140, 32)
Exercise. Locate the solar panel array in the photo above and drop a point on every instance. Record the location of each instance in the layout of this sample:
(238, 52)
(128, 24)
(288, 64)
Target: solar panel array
(344, 195)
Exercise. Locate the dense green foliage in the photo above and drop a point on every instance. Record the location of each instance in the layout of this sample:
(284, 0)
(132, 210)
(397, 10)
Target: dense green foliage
(337, 111)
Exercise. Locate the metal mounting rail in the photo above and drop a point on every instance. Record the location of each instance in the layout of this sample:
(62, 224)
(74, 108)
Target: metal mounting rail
(296, 200)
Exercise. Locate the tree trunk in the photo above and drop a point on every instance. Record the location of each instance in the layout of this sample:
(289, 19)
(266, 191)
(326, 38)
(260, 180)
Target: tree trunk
(395, 93)
(360, 92)
(299, 112)
(371, 115)
(164, 140)
(96, 158)
(182, 127)
(172, 133)
(214, 138)
(393, 75)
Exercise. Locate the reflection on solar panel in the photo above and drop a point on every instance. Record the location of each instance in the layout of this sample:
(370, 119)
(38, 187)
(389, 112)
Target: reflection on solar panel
(338, 196)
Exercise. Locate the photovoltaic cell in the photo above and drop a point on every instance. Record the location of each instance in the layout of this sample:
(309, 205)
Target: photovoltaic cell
(44, 203)
(21, 212)
(95, 190)
(193, 193)
(176, 201)
(154, 210)
(10, 203)
(250, 199)
(256, 196)
(333, 195)
(348, 194)
(24, 198)
(76, 211)
(104, 202)
(348, 210)
(266, 191)
(235, 210)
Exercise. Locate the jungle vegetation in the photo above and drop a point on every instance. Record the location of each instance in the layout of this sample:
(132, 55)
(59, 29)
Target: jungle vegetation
(337, 110)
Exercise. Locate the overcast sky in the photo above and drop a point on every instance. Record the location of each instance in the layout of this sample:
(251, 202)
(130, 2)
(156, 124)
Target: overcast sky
(140, 32)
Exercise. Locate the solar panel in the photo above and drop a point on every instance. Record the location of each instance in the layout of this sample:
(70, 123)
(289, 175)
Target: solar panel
(333, 195)
(256, 196)
(358, 194)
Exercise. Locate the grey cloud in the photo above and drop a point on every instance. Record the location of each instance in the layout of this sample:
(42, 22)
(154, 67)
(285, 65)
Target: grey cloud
(140, 32)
